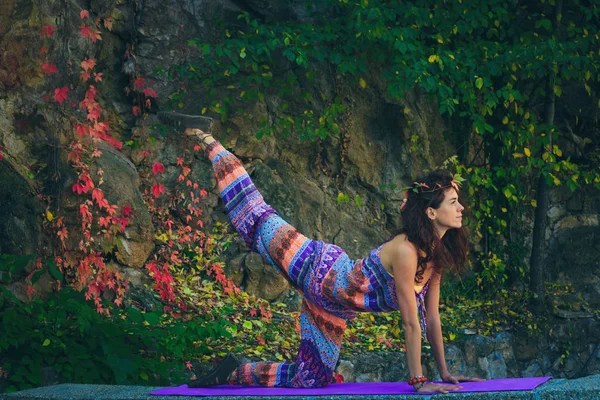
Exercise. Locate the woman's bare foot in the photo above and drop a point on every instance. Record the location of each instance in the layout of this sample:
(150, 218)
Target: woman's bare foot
(205, 138)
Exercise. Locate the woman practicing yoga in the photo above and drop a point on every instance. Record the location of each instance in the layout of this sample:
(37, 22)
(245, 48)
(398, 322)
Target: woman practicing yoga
(402, 274)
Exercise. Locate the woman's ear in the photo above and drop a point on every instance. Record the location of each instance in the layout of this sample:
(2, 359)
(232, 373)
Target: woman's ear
(430, 212)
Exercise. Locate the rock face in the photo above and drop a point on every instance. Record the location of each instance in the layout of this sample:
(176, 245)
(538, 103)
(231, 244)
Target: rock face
(121, 184)
(302, 180)
(476, 356)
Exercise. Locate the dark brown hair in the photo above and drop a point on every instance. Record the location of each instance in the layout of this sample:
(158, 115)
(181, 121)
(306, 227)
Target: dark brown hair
(451, 251)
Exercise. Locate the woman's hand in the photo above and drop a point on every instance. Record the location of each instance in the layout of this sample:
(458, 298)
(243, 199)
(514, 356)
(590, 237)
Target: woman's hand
(456, 379)
(438, 388)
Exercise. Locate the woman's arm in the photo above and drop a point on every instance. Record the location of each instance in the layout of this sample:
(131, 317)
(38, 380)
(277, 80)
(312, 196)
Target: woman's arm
(434, 332)
(404, 265)
(434, 326)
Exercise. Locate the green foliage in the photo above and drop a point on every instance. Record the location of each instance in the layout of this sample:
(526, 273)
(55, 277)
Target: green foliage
(11, 265)
(65, 332)
(490, 66)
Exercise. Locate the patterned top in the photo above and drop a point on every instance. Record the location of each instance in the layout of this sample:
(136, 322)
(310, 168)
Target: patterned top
(366, 286)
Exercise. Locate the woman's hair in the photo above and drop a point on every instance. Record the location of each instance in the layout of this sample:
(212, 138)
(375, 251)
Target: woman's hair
(452, 250)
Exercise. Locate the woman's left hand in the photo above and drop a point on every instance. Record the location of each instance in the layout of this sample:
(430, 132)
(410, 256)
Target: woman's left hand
(456, 379)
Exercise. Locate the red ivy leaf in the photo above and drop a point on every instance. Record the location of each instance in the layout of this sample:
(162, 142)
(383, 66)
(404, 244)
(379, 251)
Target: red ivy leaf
(85, 76)
(111, 210)
(60, 94)
(137, 110)
(97, 195)
(139, 83)
(48, 30)
(157, 190)
(43, 50)
(79, 188)
(49, 69)
(63, 233)
(150, 93)
(96, 153)
(98, 77)
(84, 14)
(108, 23)
(158, 168)
(88, 64)
(87, 32)
(104, 222)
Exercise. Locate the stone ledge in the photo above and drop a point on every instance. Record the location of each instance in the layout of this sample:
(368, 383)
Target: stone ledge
(587, 388)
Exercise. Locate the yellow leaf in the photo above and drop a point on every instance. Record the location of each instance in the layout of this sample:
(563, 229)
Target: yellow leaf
(362, 83)
(557, 151)
(504, 209)
(517, 155)
(49, 216)
(451, 56)
(534, 203)
(203, 110)
(433, 58)
(505, 120)
(451, 336)
(527, 152)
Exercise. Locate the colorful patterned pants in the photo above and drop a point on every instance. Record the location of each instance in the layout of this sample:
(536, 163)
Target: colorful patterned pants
(303, 261)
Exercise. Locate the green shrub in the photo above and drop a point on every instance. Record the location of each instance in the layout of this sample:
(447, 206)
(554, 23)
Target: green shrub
(64, 332)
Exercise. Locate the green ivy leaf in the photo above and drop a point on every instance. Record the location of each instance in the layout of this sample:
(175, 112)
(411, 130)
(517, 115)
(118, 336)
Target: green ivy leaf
(479, 83)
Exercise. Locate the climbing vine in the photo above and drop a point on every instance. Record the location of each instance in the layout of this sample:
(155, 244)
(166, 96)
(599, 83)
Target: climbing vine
(489, 66)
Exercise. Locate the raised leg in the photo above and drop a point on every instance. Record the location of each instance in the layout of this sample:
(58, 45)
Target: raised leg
(258, 223)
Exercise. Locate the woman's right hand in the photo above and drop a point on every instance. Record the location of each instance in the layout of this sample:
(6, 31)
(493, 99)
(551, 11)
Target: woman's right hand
(438, 388)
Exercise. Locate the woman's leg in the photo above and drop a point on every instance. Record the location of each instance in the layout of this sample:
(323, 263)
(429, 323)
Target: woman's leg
(258, 223)
(321, 340)
(293, 254)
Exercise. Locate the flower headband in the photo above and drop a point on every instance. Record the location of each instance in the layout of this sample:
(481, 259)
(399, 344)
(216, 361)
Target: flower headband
(421, 187)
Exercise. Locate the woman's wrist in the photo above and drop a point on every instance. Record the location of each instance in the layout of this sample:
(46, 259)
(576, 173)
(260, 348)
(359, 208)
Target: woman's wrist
(417, 382)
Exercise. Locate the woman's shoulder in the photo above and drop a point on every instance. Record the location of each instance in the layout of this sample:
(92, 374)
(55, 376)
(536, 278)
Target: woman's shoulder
(398, 248)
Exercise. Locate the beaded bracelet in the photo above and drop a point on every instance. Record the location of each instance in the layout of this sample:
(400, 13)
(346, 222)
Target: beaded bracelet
(417, 379)
(418, 386)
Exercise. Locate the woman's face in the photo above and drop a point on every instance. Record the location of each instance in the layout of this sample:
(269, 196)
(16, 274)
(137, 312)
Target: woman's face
(449, 214)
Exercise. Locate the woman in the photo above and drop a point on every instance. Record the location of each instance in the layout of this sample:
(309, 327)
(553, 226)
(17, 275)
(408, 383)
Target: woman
(403, 273)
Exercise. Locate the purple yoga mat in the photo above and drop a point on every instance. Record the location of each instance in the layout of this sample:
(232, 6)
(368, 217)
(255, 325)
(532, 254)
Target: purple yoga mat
(494, 385)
